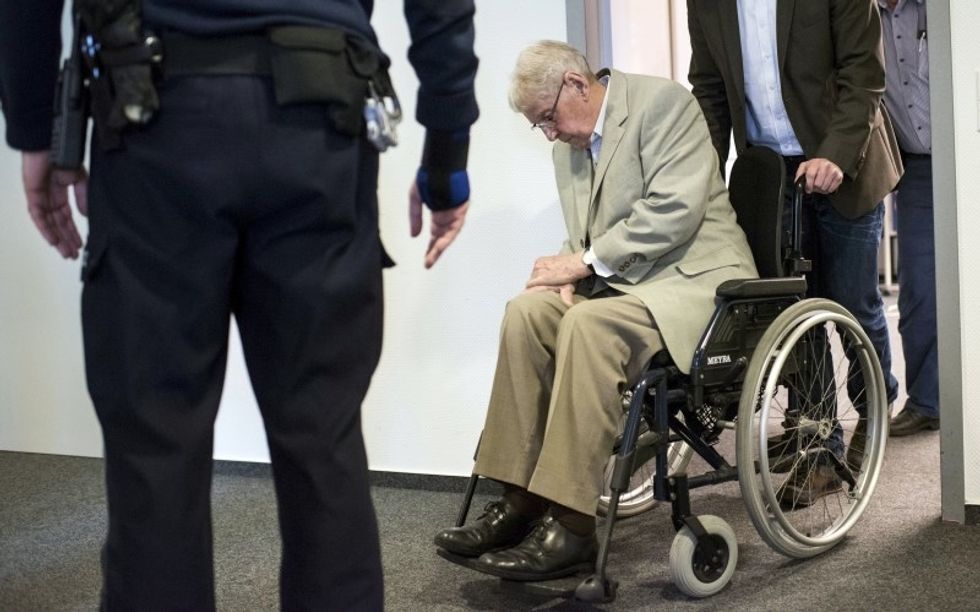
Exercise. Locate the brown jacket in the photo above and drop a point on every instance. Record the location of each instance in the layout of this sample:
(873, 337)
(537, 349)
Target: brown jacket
(832, 76)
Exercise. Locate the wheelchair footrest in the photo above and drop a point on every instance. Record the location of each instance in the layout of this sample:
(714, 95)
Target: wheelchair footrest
(596, 589)
(563, 588)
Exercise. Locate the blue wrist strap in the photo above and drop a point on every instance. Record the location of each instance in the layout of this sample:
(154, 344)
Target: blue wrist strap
(440, 191)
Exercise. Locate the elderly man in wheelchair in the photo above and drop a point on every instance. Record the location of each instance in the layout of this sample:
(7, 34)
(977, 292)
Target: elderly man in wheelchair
(654, 303)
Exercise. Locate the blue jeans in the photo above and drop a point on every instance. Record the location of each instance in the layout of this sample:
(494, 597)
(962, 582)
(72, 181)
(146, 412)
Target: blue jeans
(844, 253)
(917, 283)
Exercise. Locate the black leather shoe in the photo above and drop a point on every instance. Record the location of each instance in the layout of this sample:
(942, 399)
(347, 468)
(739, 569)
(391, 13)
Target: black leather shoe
(550, 551)
(908, 423)
(500, 526)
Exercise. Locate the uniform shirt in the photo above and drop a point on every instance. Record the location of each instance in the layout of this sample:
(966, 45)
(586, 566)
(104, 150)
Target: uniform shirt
(766, 121)
(904, 38)
(441, 51)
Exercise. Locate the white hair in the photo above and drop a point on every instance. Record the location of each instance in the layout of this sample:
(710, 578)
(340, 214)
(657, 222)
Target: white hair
(539, 72)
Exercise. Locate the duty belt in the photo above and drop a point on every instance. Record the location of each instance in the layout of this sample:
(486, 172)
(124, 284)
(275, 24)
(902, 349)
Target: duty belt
(344, 73)
(245, 54)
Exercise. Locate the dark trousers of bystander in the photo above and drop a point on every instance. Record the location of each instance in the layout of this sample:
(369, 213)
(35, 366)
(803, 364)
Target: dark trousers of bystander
(229, 205)
(917, 285)
(844, 253)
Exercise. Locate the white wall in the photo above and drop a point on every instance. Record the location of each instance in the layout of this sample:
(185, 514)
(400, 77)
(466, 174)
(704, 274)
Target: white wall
(641, 37)
(650, 37)
(965, 106)
(426, 405)
(43, 403)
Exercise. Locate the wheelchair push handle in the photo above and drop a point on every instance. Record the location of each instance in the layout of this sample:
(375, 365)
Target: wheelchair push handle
(796, 265)
(800, 187)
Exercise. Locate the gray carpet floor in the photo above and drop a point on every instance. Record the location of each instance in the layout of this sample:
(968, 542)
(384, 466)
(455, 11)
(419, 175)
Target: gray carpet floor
(900, 556)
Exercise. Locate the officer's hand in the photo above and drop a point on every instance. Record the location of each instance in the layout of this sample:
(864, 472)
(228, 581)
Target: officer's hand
(444, 224)
(565, 291)
(822, 175)
(47, 200)
(557, 270)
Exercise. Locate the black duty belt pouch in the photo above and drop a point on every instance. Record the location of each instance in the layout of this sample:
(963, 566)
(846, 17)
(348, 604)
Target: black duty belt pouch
(324, 66)
(121, 59)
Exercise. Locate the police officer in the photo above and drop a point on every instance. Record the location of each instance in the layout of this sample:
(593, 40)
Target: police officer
(242, 181)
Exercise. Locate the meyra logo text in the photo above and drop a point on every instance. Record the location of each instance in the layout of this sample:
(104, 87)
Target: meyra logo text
(717, 359)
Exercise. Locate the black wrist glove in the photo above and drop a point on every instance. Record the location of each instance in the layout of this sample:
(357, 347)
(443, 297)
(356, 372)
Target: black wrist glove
(442, 179)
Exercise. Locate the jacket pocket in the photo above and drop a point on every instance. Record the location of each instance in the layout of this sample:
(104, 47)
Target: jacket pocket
(722, 258)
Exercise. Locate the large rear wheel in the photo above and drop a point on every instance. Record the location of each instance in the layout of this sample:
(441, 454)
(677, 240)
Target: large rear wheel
(812, 426)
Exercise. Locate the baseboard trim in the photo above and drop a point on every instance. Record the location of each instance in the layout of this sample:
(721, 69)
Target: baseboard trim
(254, 469)
(424, 482)
(971, 515)
(392, 480)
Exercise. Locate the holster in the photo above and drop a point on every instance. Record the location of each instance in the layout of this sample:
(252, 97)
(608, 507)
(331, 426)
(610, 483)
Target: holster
(121, 61)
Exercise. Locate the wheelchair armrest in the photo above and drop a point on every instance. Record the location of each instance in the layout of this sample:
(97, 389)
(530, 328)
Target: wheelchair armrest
(761, 287)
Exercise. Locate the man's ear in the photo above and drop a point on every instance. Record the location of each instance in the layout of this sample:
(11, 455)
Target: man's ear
(576, 82)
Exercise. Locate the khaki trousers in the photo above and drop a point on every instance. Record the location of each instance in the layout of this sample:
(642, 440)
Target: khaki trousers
(555, 406)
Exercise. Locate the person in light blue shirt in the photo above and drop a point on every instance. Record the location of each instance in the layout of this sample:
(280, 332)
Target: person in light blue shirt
(806, 79)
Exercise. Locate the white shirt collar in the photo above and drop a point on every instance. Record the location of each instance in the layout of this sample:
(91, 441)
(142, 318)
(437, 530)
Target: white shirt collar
(595, 141)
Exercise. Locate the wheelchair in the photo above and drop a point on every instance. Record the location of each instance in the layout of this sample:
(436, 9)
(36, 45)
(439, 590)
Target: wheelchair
(795, 378)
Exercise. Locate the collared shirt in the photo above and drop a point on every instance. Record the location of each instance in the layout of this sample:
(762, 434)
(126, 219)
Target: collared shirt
(595, 141)
(903, 33)
(595, 146)
(767, 123)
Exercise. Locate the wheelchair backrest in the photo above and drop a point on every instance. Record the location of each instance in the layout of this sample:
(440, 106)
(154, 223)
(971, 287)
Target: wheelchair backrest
(756, 191)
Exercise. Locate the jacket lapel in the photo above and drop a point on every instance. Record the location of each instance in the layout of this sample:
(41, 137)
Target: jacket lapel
(784, 19)
(733, 43)
(612, 130)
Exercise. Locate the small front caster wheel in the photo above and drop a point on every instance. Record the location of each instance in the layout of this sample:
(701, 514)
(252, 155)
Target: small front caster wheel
(701, 569)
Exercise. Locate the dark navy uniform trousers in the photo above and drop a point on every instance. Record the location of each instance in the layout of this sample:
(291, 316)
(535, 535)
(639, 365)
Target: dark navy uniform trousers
(229, 205)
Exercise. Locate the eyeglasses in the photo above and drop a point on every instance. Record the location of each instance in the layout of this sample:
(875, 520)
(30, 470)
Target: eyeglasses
(548, 119)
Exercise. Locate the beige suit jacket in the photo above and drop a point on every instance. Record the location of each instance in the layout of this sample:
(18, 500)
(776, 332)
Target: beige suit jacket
(654, 209)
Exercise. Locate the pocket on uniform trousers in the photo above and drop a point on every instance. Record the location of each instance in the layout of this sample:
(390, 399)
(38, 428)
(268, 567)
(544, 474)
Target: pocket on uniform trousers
(93, 256)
